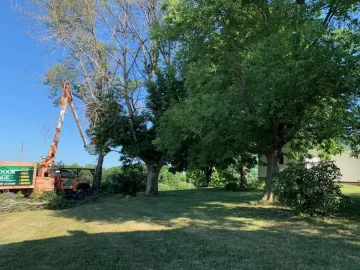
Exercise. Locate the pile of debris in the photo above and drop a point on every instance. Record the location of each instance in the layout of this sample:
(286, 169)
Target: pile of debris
(10, 202)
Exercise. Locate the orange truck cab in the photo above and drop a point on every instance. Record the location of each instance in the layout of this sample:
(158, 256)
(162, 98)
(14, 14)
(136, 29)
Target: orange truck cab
(70, 184)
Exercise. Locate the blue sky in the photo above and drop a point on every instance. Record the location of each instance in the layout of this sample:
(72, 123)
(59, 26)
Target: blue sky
(26, 113)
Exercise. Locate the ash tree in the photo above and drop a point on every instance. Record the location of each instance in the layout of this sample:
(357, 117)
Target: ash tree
(105, 47)
(264, 73)
(70, 31)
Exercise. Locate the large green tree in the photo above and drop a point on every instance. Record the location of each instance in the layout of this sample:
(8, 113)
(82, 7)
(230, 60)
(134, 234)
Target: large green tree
(265, 73)
(114, 126)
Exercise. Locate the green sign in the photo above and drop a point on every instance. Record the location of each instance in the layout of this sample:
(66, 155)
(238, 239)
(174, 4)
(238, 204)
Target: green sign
(16, 175)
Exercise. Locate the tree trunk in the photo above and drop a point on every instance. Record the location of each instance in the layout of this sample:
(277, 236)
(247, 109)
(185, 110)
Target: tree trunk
(208, 173)
(152, 179)
(243, 177)
(207, 179)
(272, 159)
(98, 171)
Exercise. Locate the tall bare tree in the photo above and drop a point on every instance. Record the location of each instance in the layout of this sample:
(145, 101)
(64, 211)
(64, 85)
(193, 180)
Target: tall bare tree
(104, 51)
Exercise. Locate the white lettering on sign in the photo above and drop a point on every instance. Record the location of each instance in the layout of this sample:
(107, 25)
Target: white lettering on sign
(4, 177)
(8, 171)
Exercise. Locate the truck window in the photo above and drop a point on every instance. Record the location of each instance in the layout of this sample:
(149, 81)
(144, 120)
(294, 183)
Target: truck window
(66, 174)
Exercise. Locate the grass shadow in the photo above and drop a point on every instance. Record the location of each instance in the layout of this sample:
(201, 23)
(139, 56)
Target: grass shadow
(212, 205)
(206, 208)
(183, 249)
(193, 229)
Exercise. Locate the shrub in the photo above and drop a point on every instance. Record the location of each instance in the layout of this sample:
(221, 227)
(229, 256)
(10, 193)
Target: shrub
(111, 186)
(197, 178)
(130, 180)
(254, 183)
(131, 186)
(56, 200)
(232, 180)
(164, 187)
(310, 188)
(173, 181)
(232, 186)
(19, 195)
(106, 187)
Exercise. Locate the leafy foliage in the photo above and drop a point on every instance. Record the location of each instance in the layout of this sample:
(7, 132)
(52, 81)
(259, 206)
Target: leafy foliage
(231, 179)
(310, 188)
(55, 200)
(129, 180)
(264, 73)
(173, 181)
(198, 178)
(232, 186)
(123, 76)
(249, 77)
(136, 133)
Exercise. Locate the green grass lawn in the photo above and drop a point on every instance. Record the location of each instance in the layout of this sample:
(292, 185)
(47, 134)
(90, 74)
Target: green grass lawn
(190, 229)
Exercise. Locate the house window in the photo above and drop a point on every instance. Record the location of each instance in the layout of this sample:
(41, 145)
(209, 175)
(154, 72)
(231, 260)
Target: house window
(281, 159)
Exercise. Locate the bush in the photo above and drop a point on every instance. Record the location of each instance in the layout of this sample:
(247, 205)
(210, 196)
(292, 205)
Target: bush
(56, 200)
(129, 180)
(232, 186)
(197, 178)
(132, 179)
(164, 187)
(173, 181)
(254, 183)
(310, 188)
(107, 187)
(232, 180)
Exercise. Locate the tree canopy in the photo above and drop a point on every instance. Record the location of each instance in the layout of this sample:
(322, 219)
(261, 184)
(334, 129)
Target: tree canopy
(201, 83)
(112, 64)
(265, 73)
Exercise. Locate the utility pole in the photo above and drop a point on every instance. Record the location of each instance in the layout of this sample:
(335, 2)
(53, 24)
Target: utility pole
(21, 151)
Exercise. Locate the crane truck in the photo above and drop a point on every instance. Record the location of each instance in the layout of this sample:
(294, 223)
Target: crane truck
(28, 177)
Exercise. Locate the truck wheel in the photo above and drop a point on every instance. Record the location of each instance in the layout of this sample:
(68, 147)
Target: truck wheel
(80, 195)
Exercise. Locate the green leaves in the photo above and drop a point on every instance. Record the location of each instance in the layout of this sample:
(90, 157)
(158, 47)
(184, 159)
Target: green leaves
(310, 188)
(275, 59)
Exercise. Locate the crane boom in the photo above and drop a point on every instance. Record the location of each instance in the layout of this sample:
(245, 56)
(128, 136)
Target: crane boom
(48, 162)
(78, 124)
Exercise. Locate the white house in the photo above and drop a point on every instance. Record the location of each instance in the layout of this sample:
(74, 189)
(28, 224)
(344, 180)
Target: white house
(349, 166)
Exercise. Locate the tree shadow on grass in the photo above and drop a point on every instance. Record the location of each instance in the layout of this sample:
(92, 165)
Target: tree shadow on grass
(185, 248)
(207, 208)
(214, 207)
(206, 229)
(352, 210)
